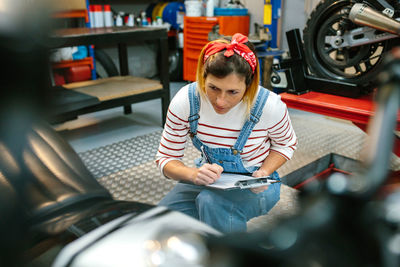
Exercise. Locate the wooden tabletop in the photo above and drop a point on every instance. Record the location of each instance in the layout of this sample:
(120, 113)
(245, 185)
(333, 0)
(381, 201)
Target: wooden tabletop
(104, 35)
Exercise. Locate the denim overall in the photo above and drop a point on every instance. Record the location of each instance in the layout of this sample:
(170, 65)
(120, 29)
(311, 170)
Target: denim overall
(225, 210)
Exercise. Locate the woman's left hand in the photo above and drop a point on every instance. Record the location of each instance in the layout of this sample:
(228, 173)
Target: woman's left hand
(259, 173)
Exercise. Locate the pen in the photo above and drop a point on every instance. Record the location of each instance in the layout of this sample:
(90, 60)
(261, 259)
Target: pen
(205, 155)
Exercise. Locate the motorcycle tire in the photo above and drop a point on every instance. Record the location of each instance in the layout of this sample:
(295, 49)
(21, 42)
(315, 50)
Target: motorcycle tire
(175, 60)
(106, 62)
(357, 65)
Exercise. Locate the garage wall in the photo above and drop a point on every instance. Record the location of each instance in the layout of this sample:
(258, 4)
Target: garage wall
(256, 10)
(294, 15)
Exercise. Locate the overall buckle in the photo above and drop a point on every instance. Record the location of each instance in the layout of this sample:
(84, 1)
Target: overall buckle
(235, 151)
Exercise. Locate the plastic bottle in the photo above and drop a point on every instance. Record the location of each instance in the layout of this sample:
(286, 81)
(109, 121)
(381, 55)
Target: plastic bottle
(144, 19)
(98, 16)
(210, 8)
(131, 20)
(138, 21)
(159, 21)
(108, 17)
(118, 21)
(91, 16)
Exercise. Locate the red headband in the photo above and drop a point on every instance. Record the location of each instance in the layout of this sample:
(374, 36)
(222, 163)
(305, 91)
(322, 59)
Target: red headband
(236, 46)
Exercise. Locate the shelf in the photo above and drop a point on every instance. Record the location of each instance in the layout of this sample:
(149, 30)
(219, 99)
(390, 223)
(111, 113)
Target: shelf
(124, 90)
(106, 35)
(195, 36)
(115, 87)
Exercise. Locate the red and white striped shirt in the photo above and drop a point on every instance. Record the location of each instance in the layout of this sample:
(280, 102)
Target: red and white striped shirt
(274, 131)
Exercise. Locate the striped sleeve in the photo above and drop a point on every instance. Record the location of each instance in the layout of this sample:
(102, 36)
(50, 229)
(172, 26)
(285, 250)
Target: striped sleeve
(173, 140)
(281, 132)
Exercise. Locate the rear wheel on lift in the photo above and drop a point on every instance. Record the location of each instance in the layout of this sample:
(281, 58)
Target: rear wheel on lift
(357, 65)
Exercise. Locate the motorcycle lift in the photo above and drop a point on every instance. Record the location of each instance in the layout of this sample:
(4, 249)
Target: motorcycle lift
(298, 79)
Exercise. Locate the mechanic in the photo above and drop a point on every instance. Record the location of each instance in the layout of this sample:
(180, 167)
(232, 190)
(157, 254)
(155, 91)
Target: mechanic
(239, 126)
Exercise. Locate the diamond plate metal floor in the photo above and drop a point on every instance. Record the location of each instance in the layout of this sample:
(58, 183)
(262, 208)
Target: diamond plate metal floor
(128, 170)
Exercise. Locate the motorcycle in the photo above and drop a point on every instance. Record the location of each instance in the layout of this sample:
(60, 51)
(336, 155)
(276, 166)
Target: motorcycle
(346, 40)
(53, 212)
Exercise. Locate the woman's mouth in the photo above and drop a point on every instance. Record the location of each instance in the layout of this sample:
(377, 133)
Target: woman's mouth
(219, 109)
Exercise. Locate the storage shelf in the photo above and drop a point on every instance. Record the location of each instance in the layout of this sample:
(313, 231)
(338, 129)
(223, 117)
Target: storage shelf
(105, 35)
(195, 36)
(122, 90)
(115, 87)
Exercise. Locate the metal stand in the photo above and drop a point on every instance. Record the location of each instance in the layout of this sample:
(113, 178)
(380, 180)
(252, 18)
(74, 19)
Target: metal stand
(298, 80)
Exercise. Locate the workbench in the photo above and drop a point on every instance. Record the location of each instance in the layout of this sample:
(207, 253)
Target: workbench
(357, 110)
(74, 99)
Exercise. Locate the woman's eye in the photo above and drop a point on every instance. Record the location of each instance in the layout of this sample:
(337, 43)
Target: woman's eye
(233, 92)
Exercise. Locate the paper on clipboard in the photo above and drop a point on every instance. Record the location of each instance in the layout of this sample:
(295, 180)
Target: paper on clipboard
(240, 181)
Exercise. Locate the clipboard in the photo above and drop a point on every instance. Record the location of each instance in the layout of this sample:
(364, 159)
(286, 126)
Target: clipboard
(229, 181)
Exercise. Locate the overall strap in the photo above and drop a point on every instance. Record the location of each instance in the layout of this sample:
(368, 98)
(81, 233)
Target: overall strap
(194, 101)
(255, 115)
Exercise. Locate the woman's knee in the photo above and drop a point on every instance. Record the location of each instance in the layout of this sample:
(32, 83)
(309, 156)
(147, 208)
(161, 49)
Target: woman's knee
(271, 197)
(276, 192)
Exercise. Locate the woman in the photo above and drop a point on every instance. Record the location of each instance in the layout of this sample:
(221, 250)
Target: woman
(238, 125)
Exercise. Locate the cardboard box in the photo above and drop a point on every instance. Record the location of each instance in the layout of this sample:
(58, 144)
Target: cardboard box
(68, 5)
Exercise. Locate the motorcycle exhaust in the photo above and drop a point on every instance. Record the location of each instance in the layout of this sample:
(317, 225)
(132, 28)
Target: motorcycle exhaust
(364, 15)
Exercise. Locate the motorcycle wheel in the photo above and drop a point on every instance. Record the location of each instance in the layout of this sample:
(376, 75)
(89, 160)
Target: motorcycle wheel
(358, 65)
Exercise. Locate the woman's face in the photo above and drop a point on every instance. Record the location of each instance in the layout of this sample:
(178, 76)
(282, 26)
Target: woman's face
(225, 93)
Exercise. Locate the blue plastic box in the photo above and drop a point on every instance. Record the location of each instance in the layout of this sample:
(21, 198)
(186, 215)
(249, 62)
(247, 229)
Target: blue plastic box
(219, 11)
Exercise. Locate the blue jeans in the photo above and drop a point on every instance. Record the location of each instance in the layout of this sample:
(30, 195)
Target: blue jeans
(227, 211)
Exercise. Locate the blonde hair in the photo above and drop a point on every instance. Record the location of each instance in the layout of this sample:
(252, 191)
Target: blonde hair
(218, 59)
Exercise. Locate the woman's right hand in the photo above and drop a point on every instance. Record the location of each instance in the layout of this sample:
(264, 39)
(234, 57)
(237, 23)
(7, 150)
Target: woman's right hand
(208, 174)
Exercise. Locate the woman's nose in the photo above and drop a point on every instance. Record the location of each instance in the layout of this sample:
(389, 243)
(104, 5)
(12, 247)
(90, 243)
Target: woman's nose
(221, 100)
